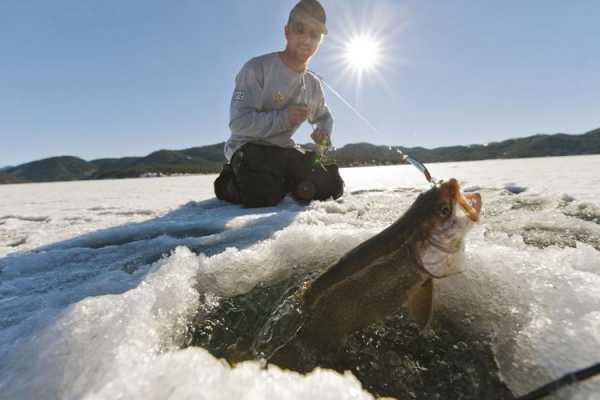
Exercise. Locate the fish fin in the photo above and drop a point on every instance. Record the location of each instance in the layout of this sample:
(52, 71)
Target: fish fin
(420, 305)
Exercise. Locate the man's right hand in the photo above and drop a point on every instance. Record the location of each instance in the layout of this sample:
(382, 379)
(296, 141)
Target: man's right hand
(297, 114)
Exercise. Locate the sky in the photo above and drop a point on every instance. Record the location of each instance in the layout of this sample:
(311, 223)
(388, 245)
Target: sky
(98, 79)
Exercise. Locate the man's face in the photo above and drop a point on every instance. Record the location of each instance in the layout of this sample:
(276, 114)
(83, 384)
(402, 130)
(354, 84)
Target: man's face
(303, 38)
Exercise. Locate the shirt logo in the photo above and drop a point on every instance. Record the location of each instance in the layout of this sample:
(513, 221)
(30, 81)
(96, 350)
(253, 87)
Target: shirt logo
(239, 95)
(278, 98)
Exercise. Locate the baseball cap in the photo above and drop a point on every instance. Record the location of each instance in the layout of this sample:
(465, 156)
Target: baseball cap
(310, 9)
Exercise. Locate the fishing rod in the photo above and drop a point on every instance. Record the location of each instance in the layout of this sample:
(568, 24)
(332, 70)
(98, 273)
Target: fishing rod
(566, 380)
(546, 390)
(405, 157)
(541, 392)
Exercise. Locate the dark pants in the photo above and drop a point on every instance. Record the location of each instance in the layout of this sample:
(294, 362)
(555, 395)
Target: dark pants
(261, 176)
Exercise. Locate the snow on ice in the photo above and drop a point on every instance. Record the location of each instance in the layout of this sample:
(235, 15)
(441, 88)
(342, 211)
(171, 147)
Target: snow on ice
(98, 279)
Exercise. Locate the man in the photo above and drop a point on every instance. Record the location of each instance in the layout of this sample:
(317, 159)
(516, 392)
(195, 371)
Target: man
(274, 94)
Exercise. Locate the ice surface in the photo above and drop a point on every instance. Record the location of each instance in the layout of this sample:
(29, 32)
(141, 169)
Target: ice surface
(98, 279)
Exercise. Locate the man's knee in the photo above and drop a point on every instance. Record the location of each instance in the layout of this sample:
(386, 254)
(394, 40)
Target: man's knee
(226, 187)
(259, 177)
(313, 180)
(328, 183)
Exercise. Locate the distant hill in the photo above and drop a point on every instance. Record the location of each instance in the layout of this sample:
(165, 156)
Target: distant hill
(209, 159)
(64, 168)
(196, 160)
(533, 146)
(6, 178)
(560, 144)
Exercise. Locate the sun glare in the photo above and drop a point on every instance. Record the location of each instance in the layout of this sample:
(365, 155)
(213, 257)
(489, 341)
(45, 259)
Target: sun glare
(365, 47)
(362, 53)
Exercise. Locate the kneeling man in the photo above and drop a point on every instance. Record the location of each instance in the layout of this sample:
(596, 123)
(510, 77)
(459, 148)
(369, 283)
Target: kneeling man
(274, 94)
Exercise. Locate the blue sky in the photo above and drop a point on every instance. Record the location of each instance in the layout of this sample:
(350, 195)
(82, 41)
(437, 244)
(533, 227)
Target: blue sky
(124, 78)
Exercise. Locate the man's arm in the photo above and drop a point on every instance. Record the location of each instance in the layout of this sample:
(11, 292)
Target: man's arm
(245, 119)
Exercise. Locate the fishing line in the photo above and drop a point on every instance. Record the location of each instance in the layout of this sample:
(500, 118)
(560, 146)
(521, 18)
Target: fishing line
(414, 162)
(350, 106)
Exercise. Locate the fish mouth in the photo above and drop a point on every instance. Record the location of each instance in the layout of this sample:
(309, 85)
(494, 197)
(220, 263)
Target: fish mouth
(469, 202)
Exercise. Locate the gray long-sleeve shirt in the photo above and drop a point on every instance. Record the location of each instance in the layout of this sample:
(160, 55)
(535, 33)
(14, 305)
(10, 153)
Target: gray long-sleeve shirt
(264, 88)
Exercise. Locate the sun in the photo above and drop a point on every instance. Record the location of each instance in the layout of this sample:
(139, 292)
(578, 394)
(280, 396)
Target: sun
(362, 53)
(365, 48)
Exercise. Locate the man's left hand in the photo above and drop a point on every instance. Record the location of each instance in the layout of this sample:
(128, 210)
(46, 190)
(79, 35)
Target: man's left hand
(321, 138)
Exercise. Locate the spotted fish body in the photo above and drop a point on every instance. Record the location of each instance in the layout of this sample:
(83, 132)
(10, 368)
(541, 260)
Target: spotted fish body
(394, 268)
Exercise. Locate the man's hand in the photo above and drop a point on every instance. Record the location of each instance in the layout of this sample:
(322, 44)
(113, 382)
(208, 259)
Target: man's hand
(297, 114)
(321, 138)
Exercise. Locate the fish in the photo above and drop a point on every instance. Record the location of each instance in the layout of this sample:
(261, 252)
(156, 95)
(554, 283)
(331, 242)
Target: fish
(395, 268)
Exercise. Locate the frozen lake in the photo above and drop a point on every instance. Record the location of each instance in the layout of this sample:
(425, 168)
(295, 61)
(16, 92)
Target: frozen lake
(98, 279)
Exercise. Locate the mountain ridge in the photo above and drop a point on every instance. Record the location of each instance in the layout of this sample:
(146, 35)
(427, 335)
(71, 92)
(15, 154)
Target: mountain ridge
(209, 159)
